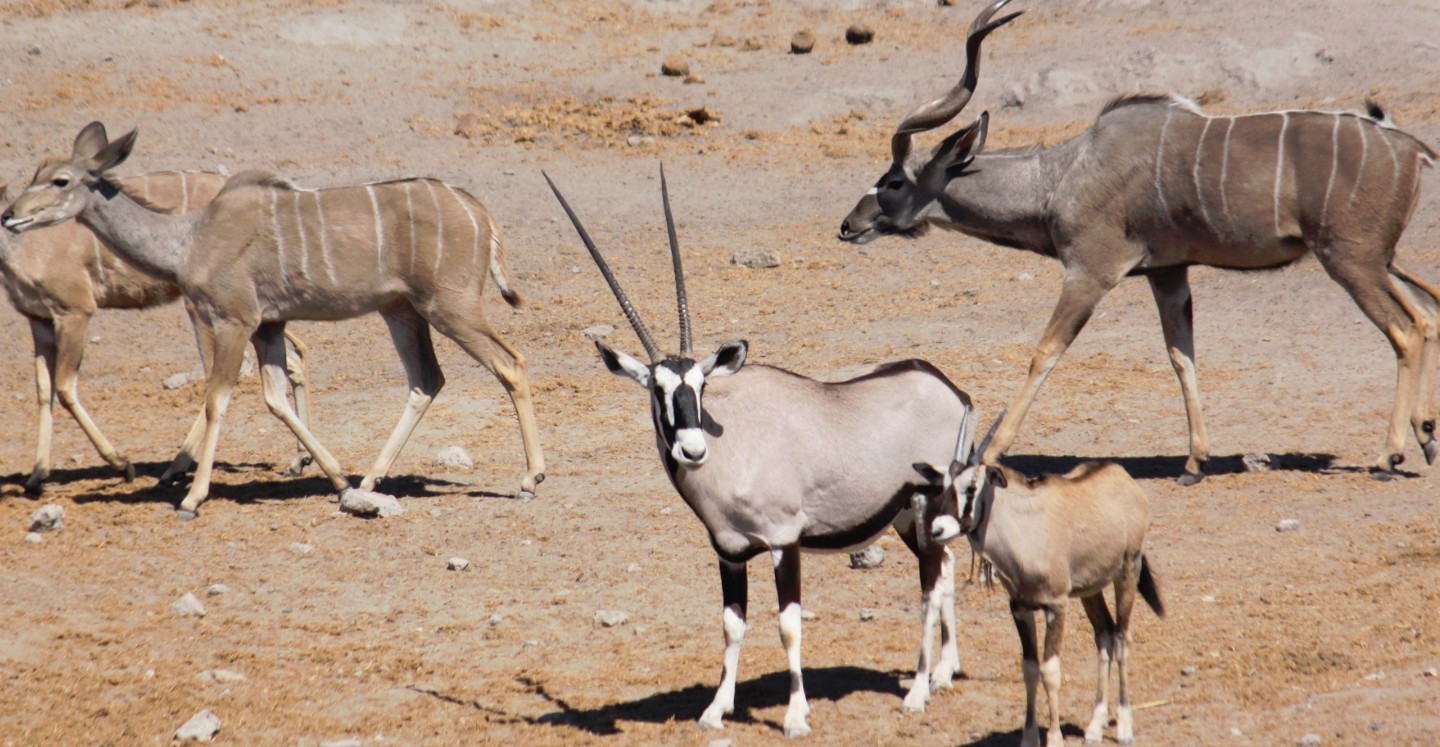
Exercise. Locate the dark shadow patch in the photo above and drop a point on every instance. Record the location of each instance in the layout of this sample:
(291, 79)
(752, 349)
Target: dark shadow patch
(1172, 467)
(1006, 739)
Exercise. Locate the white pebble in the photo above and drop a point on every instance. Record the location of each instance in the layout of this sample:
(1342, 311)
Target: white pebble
(223, 676)
(201, 727)
(611, 618)
(866, 615)
(34, 538)
(458, 564)
(870, 557)
(216, 590)
(367, 503)
(188, 605)
(454, 457)
(301, 548)
(1287, 525)
(48, 518)
(1309, 740)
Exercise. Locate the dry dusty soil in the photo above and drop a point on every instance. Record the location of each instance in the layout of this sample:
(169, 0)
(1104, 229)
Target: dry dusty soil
(1326, 630)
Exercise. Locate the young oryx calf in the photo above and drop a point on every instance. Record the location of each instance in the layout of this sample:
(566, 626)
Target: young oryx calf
(1047, 539)
(773, 461)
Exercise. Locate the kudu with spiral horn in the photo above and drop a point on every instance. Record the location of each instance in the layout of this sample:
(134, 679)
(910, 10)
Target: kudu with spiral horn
(771, 461)
(1157, 185)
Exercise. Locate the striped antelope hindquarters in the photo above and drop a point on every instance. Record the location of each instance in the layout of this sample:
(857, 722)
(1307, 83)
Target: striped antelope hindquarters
(265, 252)
(771, 461)
(1048, 539)
(58, 277)
(1157, 185)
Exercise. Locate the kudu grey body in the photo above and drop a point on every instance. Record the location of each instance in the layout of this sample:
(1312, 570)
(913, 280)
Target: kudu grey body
(1156, 186)
(772, 461)
(58, 277)
(265, 252)
(1049, 539)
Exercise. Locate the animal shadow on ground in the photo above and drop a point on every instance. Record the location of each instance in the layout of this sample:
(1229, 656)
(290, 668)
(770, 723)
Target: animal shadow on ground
(770, 690)
(1009, 738)
(1171, 467)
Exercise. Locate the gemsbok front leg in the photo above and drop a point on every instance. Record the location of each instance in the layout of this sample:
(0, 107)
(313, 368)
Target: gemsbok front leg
(787, 584)
(734, 591)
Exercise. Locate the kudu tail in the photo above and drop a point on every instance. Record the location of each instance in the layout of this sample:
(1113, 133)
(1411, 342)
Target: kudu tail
(1149, 589)
(497, 269)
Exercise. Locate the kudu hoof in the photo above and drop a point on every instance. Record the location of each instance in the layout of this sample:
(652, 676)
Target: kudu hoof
(35, 489)
(185, 515)
(1189, 478)
(525, 496)
(129, 470)
(1432, 450)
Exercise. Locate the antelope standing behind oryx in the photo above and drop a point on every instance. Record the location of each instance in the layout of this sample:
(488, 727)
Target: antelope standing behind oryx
(265, 252)
(1155, 186)
(771, 461)
(58, 277)
(1048, 539)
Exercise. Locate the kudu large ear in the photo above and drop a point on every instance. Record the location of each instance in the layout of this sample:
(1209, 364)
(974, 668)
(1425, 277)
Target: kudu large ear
(957, 151)
(97, 152)
(4, 191)
(726, 360)
(621, 364)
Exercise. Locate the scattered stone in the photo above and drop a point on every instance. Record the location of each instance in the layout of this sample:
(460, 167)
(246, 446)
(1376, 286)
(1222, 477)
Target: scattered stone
(48, 518)
(808, 614)
(859, 34)
(34, 538)
(1431, 672)
(1024, 277)
(699, 116)
(301, 548)
(202, 727)
(181, 380)
(675, 66)
(802, 42)
(694, 80)
(611, 618)
(454, 457)
(216, 590)
(1374, 676)
(342, 743)
(1208, 599)
(867, 614)
(1188, 671)
(722, 40)
(369, 504)
(1013, 97)
(870, 557)
(34, 50)
(756, 259)
(1235, 732)
(220, 676)
(1309, 740)
(1287, 525)
(721, 743)
(636, 139)
(458, 564)
(1257, 462)
(188, 605)
(752, 44)
(598, 332)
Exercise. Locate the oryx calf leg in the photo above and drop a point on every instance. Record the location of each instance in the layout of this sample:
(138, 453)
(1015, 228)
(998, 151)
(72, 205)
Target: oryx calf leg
(1050, 671)
(787, 584)
(1104, 626)
(1125, 589)
(734, 591)
(1030, 667)
(932, 600)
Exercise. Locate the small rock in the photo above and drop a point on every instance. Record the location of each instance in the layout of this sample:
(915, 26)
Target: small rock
(859, 34)
(1309, 740)
(721, 743)
(48, 518)
(222, 676)
(181, 380)
(495, 619)
(806, 614)
(34, 538)
(867, 614)
(1208, 599)
(722, 40)
(1374, 676)
(611, 618)
(636, 139)
(188, 605)
(458, 564)
(1287, 525)
(1188, 671)
(756, 259)
(201, 727)
(693, 79)
(598, 332)
(802, 42)
(1374, 726)
(1013, 98)
(752, 44)
(870, 557)
(368, 504)
(1431, 672)
(216, 590)
(675, 66)
(454, 457)
(107, 58)
(33, 50)
(1257, 462)
(301, 548)
(1235, 732)
(1024, 277)
(342, 743)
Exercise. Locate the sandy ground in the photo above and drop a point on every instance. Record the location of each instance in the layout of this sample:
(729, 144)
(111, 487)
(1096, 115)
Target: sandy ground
(1327, 630)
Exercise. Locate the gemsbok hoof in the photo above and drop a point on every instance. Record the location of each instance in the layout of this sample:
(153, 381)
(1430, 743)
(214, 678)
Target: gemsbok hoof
(185, 515)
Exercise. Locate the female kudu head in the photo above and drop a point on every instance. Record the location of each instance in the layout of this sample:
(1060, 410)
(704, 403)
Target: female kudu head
(676, 382)
(60, 188)
(898, 203)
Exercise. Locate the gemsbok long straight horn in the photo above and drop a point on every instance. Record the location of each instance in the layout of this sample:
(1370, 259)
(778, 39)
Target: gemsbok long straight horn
(1157, 185)
(774, 462)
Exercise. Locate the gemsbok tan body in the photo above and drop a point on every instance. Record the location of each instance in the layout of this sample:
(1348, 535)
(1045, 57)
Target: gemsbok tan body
(774, 462)
(58, 277)
(1048, 539)
(265, 252)
(1156, 186)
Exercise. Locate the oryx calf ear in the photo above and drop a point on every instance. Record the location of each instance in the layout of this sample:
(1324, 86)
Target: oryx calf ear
(997, 477)
(726, 360)
(931, 475)
(621, 364)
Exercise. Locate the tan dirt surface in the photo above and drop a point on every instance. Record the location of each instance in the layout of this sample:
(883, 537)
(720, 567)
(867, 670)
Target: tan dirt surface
(1326, 630)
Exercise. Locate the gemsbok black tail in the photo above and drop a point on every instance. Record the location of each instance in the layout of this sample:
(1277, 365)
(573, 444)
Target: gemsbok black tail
(1149, 590)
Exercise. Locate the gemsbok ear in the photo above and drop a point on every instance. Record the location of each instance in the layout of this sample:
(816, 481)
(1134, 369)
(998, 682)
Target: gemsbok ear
(931, 475)
(621, 364)
(726, 360)
(997, 477)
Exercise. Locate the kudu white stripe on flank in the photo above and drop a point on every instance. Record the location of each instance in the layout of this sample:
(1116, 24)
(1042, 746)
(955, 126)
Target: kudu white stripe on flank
(379, 230)
(324, 243)
(1160, 164)
(1280, 168)
(1199, 190)
(99, 259)
(1364, 152)
(474, 227)
(1334, 167)
(184, 194)
(279, 240)
(304, 245)
(439, 226)
(410, 211)
(1225, 173)
(1394, 162)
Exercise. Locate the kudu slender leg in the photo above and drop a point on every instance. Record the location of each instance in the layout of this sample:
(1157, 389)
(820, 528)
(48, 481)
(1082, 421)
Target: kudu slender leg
(411, 335)
(1030, 667)
(1050, 671)
(1171, 288)
(485, 345)
(1125, 592)
(185, 459)
(70, 349)
(1424, 305)
(787, 584)
(1104, 626)
(1078, 297)
(229, 352)
(734, 592)
(42, 331)
(271, 355)
(296, 354)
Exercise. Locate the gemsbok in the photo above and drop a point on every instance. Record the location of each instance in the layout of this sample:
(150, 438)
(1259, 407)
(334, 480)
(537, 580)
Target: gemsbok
(1048, 539)
(58, 277)
(771, 461)
(265, 252)
(1157, 185)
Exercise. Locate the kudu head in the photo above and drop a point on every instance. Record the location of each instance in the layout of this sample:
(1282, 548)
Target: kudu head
(897, 203)
(61, 187)
(676, 382)
(966, 477)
